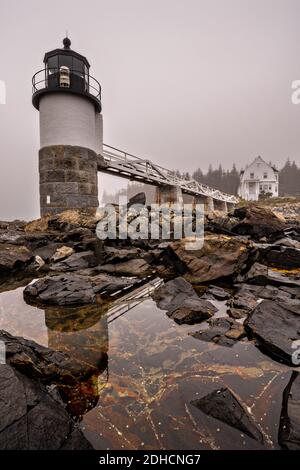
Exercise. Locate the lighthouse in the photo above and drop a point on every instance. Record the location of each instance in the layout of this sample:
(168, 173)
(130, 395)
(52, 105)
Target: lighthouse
(68, 99)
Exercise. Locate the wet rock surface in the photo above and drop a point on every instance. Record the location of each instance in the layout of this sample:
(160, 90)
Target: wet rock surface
(276, 327)
(222, 331)
(257, 221)
(182, 303)
(248, 268)
(33, 417)
(220, 257)
(224, 406)
(41, 363)
(289, 429)
(76, 289)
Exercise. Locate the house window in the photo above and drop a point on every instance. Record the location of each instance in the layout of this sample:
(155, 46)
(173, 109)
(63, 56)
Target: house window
(251, 175)
(270, 187)
(265, 175)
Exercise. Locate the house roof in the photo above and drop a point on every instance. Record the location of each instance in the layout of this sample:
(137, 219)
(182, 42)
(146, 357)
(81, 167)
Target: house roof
(259, 159)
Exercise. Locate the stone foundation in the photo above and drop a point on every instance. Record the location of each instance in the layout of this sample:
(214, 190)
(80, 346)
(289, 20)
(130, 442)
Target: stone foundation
(68, 179)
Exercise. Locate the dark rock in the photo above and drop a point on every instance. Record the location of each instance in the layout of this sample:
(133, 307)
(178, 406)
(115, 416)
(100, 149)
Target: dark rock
(132, 267)
(13, 258)
(34, 418)
(244, 301)
(289, 428)
(182, 303)
(294, 292)
(118, 255)
(257, 221)
(261, 275)
(275, 325)
(193, 310)
(287, 241)
(280, 256)
(76, 289)
(237, 313)
(12, 237)
(71, 289)
(46, 252)
(223, 405)
(85, 259)
(216, 292)
(220, 257)
(261, 292)
(41, 363)
(222, 331)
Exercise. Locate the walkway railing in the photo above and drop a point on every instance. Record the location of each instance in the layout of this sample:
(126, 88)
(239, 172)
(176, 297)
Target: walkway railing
(130, 166)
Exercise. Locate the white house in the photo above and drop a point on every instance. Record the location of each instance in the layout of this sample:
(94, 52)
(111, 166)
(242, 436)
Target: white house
(258, 178)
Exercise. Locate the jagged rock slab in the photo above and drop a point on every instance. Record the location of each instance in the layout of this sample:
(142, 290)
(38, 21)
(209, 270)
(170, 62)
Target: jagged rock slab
(222, 331)
(282, 257)
(132, 267)
(34, 417)
(221, 256)
(276, 326)
(13, 257)
(262, 275)
(71, 289)
(257, 221)
(289, 428)
(75, 262)
(224, 406)
(182, 303)
(216, 292)
(41, 363)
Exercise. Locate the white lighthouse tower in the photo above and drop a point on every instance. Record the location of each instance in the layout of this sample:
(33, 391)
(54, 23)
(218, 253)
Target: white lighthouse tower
(69, 102)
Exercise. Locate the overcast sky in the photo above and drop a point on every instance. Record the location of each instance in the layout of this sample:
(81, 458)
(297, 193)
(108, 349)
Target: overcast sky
(185, 82)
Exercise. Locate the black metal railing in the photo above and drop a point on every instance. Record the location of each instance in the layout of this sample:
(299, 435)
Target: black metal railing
(80, 82)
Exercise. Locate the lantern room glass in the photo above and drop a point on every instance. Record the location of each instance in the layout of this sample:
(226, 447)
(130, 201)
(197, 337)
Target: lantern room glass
(79, 72)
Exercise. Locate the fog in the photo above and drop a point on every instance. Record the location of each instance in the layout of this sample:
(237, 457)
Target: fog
(185, 83)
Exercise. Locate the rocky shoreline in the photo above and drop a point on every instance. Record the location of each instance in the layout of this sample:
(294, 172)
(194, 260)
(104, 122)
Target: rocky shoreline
(250, 260)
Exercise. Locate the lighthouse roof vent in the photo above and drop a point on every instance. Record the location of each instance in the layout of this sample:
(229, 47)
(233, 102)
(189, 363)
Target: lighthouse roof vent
(66, 51)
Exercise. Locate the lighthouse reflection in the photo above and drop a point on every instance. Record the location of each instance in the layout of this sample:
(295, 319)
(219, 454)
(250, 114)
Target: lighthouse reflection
(82, 333)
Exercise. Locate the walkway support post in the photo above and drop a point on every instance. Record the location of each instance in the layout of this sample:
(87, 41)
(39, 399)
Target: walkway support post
(168, 195)
(221, 206)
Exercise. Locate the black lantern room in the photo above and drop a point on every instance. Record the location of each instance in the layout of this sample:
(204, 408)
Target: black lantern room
(66, 71)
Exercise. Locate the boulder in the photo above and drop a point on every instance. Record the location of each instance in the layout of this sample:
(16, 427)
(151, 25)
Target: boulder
(287, 241)
(257, 221)
(289, 427)
(215, 292)
(76, 289)
(222, 331)
(43, 364)
(75, 262)
(275, 326)
(220, 257)
(278, 256)
(62, 253)
(13, 258)
(34, 417)
(118, 255)
(132, 267)
(61, 290)
(222, 404)
(182, 303)
(260, 274)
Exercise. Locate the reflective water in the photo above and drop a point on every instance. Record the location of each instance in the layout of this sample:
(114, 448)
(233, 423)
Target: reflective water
(149, 370)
